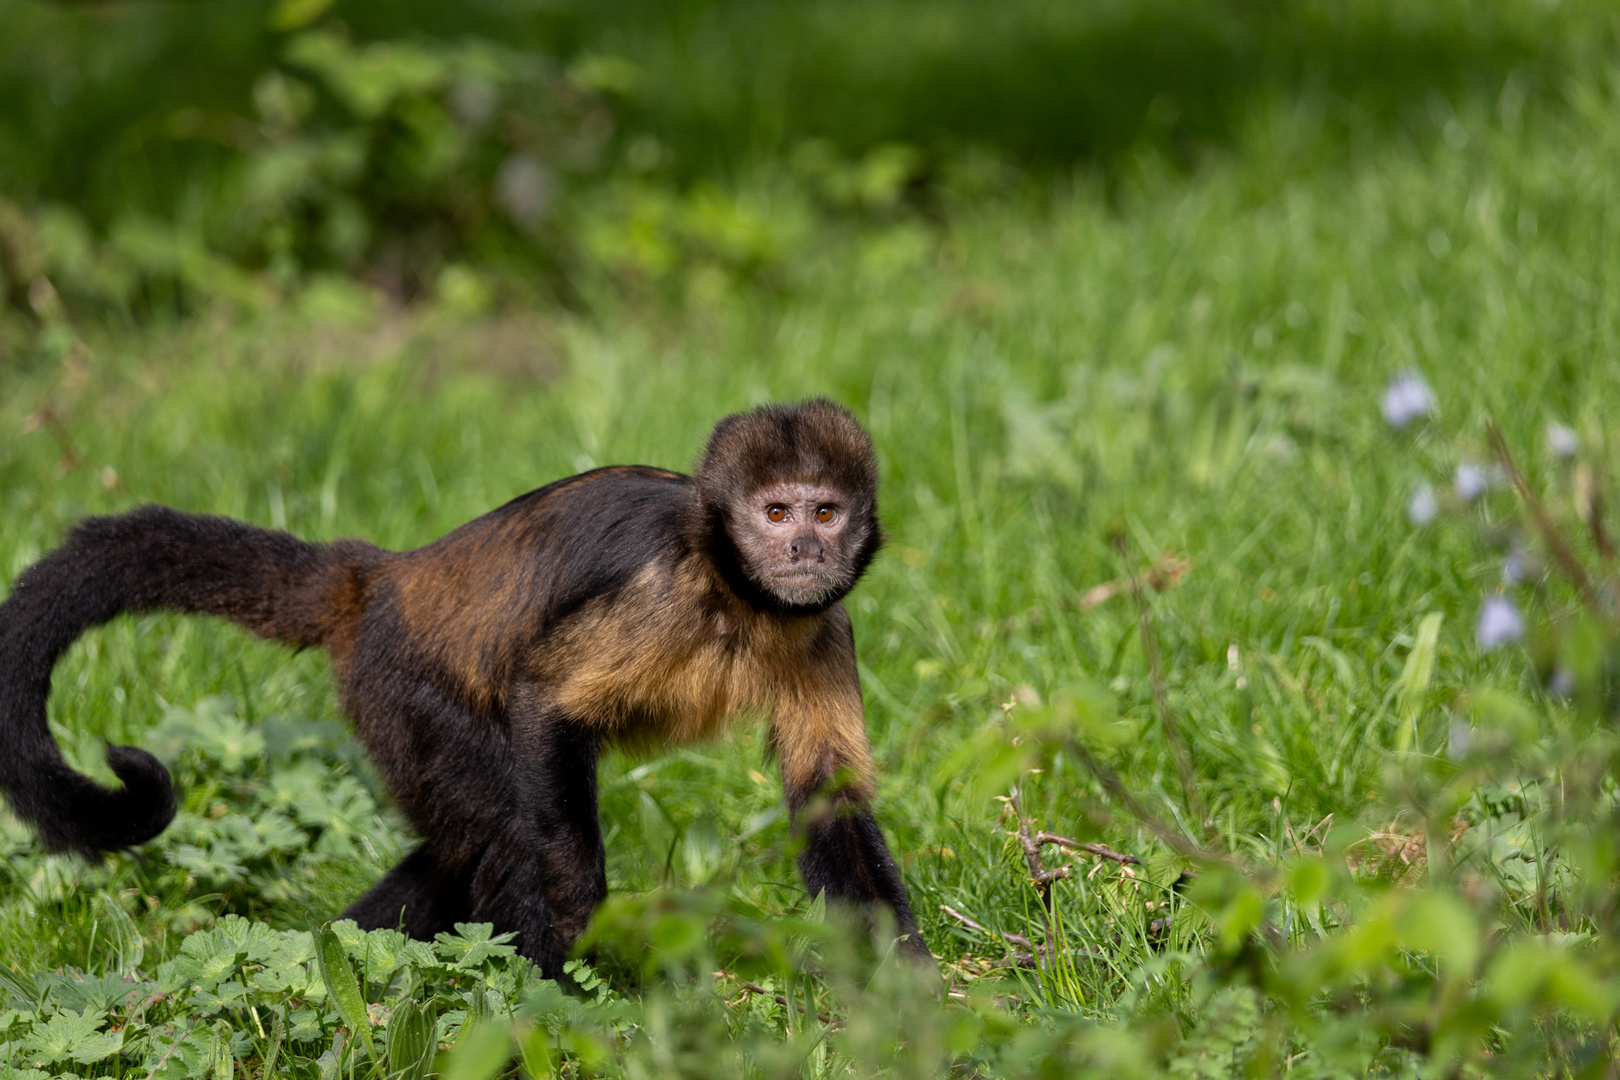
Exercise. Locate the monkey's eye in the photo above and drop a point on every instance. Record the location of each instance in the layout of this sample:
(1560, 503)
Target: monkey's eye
(824, 514)
(777, 513)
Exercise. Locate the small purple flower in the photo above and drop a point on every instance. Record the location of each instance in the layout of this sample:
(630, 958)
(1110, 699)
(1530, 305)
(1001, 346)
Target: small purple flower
(1562, 440)
(1423, 506)
(1513, 568)
(1471, 481)
(1406, 399)
(1461, 735)
(1499, 624)
(1562, 683)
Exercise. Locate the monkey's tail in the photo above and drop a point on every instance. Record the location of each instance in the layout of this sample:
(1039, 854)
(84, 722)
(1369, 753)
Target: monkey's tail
(148, 559)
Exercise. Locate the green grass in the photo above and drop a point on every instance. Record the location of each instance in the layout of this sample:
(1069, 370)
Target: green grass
(1190, 364)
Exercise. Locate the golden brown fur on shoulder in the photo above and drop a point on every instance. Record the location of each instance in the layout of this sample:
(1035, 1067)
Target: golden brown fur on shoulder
(676, 657)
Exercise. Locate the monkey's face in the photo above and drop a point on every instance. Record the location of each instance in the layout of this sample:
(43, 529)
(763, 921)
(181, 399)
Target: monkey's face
(804, 543)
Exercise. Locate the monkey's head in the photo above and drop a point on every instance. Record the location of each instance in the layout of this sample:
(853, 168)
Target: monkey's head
(789, 504)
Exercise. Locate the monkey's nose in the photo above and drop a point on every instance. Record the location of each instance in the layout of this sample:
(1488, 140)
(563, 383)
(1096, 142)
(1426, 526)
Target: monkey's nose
(804, 547)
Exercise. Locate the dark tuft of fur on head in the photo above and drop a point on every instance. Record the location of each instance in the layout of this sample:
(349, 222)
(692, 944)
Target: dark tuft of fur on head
(817, 441)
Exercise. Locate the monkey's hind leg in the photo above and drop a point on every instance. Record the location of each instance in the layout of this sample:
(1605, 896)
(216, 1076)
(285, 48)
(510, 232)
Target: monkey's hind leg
(421, 896)
(508, 892)
(545, 873)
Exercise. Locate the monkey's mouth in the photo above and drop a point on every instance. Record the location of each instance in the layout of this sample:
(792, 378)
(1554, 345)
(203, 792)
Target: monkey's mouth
(802, 585)
(798, 574)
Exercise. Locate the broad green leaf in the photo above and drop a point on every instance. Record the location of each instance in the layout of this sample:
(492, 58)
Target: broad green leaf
(1573, 983)
(368, 78)
(993, 773)
(1442, 925)
(1534, 972)
(342, 985)
(207, 958)
(968, 761)
(409, 1041)
(1241, 915)
(1497, 709)
(1416, 676)
(1309, 879)
(1369, 942)
(1584, 648)
(1517, 973)
(534, 1048)
(478, 1012)
(330, 1063)
(224, 1063)
(584, 1045)
(472, 944)
(216, 864)
(72, 1036)
(480, 1051)
(602, 72)
(383, 953)
(678, 934)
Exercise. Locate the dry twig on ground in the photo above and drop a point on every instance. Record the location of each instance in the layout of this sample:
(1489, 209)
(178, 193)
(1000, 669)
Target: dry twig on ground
(746, 988)
(1166, 572)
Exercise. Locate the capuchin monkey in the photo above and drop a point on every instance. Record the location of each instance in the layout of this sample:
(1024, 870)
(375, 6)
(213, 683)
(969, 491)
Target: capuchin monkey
(486, 672)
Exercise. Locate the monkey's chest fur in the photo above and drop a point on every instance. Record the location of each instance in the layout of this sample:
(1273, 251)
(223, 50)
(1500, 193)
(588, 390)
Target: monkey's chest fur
(667, 662)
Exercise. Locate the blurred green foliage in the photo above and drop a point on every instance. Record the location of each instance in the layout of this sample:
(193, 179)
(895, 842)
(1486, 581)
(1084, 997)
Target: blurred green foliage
(375, 162)
(1044, 83)
(164, 156)
(91, 90)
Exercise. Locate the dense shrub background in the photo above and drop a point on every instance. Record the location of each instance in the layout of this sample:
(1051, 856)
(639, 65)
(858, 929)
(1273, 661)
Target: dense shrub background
(157, 156)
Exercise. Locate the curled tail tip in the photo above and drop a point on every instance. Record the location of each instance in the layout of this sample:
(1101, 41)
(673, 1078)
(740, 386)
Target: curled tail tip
(147, 803)
(95, 819)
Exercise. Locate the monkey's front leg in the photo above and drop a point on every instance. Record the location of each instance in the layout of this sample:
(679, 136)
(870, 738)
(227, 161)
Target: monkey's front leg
(546, 877)
(845, 857)
(826, 774)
